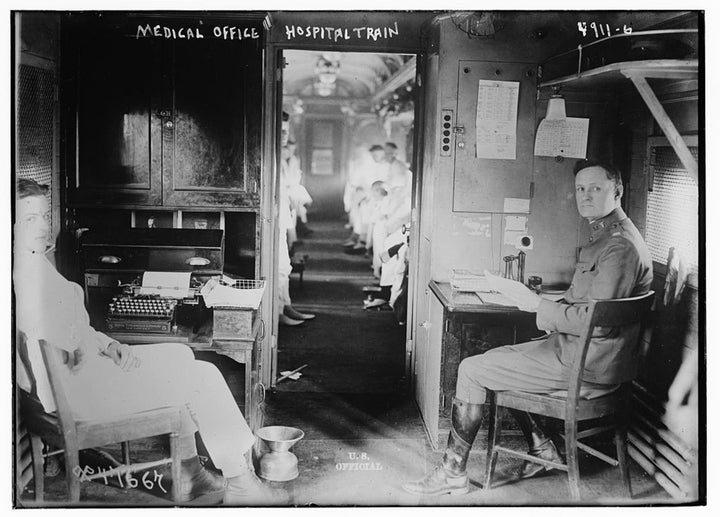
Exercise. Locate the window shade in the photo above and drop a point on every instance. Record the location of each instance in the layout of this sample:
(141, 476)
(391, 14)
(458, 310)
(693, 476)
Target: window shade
(35, 105)
(672, 209)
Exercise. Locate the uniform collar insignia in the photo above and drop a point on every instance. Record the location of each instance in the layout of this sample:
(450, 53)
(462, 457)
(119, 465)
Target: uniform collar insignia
(600, 225)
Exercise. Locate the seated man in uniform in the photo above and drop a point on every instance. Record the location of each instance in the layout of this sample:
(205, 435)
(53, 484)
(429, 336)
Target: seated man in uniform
(614, 264)
(110, 379)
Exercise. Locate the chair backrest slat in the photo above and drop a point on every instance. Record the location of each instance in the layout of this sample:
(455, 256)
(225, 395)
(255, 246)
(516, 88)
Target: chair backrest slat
(618, 313)
(606, 313)
(53, 364)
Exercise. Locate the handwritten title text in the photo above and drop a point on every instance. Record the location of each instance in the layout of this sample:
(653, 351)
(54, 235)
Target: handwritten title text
(294, 32)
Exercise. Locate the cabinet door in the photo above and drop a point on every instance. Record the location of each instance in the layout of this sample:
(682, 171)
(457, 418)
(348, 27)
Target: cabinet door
(117, 134)
(482, 184)
(428, 352)
(211, 128)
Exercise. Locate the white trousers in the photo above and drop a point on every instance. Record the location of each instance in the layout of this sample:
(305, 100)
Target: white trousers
(168, 374)
(284, 270)
(390, 268)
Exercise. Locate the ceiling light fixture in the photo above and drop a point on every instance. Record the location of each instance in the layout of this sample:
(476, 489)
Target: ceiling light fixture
(556, 106)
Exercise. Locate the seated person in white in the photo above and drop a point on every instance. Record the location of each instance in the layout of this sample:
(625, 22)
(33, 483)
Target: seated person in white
(396, 214)
(300, 198)
(110, 379)
(376, 228)
(361, 210)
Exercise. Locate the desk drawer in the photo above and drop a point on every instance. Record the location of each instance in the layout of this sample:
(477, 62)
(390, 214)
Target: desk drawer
(233, 323)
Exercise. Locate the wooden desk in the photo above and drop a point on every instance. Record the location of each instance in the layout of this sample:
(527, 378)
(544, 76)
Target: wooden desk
(471, 327)
(246, 351)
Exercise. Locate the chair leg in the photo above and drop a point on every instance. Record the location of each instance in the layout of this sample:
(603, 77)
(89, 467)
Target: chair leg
(494, 425)
(175, 466)
(571, 453)
(36, 446)
(622, 456)
(72, 466)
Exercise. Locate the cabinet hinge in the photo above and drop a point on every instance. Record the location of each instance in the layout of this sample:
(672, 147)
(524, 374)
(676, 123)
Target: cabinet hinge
(409, 345)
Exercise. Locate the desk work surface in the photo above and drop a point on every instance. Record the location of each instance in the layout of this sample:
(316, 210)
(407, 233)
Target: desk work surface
(469, 301)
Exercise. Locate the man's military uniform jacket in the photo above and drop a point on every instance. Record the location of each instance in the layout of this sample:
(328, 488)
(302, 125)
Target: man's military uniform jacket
(615, 264)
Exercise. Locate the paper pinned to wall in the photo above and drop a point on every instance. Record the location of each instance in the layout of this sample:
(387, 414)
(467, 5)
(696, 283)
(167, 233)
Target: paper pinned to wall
(516, 205)
(496, 119)
(511, 237)
(515, 222)
(564, 137)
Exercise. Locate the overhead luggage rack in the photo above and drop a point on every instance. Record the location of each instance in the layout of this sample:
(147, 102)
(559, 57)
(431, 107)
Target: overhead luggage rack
(638, 56)
(604, 59)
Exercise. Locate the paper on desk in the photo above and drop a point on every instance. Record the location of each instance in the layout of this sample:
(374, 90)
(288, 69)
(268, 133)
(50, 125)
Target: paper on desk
(166, 284)
(495, 298)
(218, 295)
(504, 285)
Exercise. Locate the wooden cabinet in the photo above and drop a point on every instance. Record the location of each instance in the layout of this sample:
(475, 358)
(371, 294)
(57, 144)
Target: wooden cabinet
(211, 124)
(158, 121)
(113, 133)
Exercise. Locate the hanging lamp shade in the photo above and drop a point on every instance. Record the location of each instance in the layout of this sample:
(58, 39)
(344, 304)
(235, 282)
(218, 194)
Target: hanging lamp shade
(556, 108)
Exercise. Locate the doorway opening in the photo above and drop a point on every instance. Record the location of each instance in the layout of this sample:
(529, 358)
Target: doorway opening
(349, 205)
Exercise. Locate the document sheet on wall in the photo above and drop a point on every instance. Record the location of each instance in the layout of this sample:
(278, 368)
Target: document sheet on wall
(496, 119)
(567, 137)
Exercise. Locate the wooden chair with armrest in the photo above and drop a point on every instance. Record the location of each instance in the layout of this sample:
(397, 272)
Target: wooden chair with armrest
(61, 430)
(572, 408)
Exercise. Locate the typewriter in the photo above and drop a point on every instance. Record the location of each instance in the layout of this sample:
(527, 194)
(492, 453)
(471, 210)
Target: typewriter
(141, 314)
(148, 281)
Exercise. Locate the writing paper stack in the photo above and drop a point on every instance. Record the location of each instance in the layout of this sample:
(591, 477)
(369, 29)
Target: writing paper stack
(244, 294)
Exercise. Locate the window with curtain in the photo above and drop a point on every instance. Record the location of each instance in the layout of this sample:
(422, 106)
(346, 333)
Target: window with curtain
(672, 207)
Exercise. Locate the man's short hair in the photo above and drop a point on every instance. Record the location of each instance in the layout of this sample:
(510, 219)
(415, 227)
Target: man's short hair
(612, 172)
(391, 145)
(285, 116)
(27, 187)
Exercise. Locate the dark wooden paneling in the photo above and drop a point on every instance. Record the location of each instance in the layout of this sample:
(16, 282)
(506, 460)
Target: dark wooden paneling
(211, 135)
(118, 133)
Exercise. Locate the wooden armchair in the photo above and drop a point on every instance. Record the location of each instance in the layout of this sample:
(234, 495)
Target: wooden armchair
(572, 408)
(63, 431)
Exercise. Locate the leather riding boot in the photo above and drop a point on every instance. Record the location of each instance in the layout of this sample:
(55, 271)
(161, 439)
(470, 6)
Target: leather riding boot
(539, 444)
(451, 476)
(198, 484)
